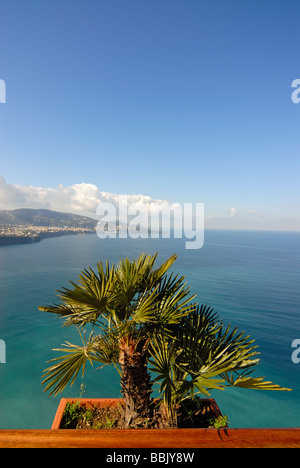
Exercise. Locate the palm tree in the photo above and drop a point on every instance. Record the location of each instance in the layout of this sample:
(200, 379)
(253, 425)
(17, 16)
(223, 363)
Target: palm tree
(146, 315)
(198, 354)
(128, 303)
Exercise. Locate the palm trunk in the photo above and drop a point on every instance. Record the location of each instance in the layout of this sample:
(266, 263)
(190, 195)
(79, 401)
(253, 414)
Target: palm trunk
(135, 381)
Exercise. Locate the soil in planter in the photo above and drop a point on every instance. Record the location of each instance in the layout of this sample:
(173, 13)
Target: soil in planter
(82, 416)
(190, 414)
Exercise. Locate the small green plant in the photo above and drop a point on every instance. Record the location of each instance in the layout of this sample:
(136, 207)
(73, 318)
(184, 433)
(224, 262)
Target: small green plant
(88, 415)
(71, 414)
(107, 424)
(219, 422)
(99, 426)
(110, 423)
(82, 390)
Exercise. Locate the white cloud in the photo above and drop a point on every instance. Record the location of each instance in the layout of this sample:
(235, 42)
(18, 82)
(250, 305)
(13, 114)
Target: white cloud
(78, 198)
(255, 213)
(233, 212)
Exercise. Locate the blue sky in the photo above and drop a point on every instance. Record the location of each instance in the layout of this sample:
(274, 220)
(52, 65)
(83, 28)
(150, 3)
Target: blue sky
(180, 100)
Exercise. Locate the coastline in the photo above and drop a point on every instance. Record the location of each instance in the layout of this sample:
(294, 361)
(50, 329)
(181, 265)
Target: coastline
(13, 240)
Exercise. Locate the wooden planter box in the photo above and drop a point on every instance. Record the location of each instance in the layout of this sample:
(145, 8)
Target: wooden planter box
(147, 438)
(113, 402)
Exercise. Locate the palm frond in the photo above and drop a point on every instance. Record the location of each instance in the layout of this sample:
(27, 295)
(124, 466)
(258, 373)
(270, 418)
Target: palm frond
(68, 366)
(256, 383)
(88, 300)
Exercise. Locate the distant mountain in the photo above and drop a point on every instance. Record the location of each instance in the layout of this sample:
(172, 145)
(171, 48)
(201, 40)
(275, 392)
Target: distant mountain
(35, 217)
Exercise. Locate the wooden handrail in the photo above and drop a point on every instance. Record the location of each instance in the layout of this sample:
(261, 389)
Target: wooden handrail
(151, 438)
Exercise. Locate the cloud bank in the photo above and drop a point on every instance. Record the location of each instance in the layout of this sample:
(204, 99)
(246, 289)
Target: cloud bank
(83, 199)
(78, 198)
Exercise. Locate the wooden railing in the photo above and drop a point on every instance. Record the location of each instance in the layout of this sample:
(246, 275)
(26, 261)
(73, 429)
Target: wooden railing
(151, 438)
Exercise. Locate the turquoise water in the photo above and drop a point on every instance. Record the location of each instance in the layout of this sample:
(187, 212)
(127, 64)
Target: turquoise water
(250, 278)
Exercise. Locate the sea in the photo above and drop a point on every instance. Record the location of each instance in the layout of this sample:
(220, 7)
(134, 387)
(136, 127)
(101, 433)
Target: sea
(251, 278)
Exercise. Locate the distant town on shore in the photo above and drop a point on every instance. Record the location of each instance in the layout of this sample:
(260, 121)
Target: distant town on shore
(32, 225)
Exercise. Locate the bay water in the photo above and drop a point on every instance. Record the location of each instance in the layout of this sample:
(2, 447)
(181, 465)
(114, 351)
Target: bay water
(251, 278)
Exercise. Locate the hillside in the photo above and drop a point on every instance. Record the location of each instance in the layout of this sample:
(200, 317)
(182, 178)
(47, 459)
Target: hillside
(29, 225)
(37, 217)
